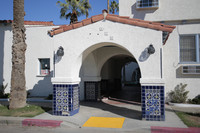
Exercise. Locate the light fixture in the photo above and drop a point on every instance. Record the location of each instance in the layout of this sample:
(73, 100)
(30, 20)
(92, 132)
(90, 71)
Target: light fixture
(151, 49)
(60, 51)
(146, 53)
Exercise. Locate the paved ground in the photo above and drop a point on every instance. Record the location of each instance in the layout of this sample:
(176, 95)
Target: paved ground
(15, 129)
(107, 108)
(120, 104)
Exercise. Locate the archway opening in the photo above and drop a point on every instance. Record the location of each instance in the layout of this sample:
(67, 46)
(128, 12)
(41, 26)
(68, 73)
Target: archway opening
(120, 77)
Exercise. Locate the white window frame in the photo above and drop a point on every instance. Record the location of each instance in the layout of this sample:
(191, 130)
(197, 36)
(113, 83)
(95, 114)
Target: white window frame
(138, 4)
(39, 67)
(197, 40)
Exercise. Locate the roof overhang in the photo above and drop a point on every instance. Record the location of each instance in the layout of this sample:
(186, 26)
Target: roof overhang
(114, 18)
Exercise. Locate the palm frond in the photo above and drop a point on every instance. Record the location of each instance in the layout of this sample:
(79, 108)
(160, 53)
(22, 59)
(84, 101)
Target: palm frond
(67, 16)
(74, 8)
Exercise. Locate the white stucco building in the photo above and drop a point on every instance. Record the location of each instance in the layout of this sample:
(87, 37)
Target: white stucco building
(161, 37)
(182, 47)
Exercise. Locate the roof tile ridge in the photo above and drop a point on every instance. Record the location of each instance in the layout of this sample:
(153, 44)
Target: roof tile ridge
(61, 26)
(97, 18)
(39, 22)
(164, 25)
(77, 25)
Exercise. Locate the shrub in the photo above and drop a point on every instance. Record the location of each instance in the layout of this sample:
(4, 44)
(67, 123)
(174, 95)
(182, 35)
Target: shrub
(28, 94)
(178, 95)
(50, 97)
(2, 91)
(195, 100)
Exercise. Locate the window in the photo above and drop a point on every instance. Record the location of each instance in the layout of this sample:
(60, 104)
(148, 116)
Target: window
(164, 36)
(189, 49)
(147, 4)
(44, 66)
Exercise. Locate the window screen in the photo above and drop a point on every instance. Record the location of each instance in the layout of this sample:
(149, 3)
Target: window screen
(187, 49)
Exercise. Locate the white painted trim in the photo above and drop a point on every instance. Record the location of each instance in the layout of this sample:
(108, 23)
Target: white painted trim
(66, 80)
(152, 81)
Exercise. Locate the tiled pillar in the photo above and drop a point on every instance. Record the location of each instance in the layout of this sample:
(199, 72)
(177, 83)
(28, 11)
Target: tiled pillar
(153, 103)
(92, 90)
(66, 99)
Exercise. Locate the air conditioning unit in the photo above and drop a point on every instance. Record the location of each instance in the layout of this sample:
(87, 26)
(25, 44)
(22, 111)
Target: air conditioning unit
(191, 69)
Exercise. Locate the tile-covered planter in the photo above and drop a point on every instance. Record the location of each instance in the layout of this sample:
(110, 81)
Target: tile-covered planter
(92, 90)
(153, 103)
(66, 99)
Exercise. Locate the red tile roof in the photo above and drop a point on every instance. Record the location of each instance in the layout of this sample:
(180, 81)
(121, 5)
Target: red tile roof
(114, 18)
(50, 23)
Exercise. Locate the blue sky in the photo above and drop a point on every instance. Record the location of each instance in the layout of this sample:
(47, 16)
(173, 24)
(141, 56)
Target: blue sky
(46, 10)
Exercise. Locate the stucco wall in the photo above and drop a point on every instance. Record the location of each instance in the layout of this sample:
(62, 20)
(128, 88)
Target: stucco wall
(169, 10)
(172, 11)
(39, 45)
(80, 44)
(172, 66)
(5, 54)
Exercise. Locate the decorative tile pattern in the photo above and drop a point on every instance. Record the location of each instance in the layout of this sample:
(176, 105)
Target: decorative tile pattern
(92, 90)
(153, 104)
(65, 99)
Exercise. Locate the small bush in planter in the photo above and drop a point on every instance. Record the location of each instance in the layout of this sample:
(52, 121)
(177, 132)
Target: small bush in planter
(179, 94)
(50, 97)
(2, 91)
(195, 100)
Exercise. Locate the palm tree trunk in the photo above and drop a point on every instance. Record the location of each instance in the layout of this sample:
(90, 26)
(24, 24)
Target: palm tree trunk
(87, 11)
(87, 14)
(108, 5)
(18, 82)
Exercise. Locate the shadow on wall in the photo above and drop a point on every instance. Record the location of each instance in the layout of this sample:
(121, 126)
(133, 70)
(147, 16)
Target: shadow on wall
(44, 87)
(140, 13)
(179, 74)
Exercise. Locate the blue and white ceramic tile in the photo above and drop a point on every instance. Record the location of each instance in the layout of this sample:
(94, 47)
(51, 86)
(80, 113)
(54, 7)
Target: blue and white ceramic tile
(153, 103)
(65, 99)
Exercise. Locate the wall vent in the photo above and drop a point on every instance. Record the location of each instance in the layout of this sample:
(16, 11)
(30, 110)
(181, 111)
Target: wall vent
(191, 69)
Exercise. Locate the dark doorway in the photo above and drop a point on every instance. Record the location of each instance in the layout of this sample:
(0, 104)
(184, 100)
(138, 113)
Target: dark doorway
(120, 79)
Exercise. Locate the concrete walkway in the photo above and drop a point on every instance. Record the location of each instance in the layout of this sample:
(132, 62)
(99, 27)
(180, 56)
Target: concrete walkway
(106, 108)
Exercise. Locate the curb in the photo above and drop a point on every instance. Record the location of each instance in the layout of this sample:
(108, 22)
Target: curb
(69, 125)
(6, 121)
(20, 121)
(29, 100)
(184, 105)
(41, 123)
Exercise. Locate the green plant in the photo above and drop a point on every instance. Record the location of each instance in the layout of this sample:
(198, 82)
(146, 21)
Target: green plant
(28, 94)
(179, 94)
(2, 90)
(27, 111)
(50, 97)
(195, 100)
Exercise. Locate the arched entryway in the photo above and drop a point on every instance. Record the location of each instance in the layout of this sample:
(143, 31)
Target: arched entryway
(103, 73)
